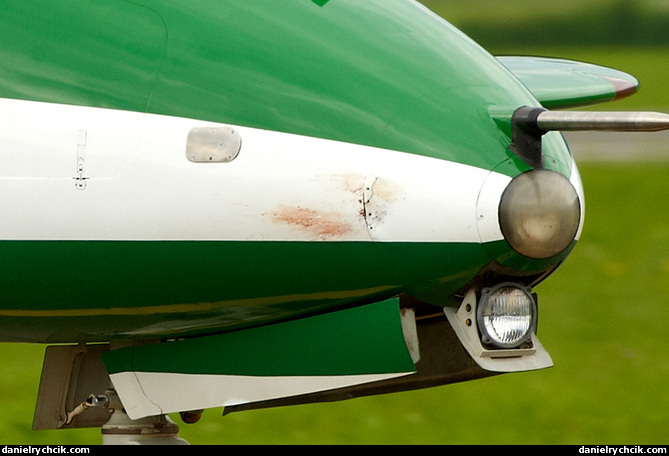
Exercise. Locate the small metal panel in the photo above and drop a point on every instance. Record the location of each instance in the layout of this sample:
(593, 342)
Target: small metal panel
(213, 144)
(70, 374)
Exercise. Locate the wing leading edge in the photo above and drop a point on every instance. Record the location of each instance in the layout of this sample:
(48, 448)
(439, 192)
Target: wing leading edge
(560, 84)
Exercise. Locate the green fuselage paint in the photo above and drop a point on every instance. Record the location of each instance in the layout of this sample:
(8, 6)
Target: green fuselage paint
(387, 74)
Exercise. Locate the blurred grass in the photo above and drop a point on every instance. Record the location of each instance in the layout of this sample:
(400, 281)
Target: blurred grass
(604, 313)
(628, 35)
(568, 22)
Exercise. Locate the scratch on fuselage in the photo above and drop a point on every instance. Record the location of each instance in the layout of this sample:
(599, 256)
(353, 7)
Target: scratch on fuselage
(379, 195)
(353, 208)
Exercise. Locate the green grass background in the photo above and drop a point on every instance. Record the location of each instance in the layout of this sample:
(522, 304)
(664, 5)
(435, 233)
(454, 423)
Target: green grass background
(605, 312)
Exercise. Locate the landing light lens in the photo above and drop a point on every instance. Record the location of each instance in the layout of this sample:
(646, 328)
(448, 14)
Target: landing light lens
(506, 316)
(539, 213)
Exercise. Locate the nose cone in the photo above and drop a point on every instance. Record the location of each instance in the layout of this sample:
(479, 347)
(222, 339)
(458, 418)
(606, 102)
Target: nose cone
(529, 219)
(540, 213)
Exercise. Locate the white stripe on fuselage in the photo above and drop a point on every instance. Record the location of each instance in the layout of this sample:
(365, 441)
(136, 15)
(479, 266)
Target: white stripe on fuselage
(136, 183)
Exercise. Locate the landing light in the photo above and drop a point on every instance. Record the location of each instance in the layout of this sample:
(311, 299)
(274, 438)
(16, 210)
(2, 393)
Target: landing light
(506, 315)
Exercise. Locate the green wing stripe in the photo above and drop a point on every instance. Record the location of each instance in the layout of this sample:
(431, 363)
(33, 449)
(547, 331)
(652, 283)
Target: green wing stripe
(358, 341)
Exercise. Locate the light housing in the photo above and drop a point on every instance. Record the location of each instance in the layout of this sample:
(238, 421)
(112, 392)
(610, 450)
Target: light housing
(506, 315)
(539, 213)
